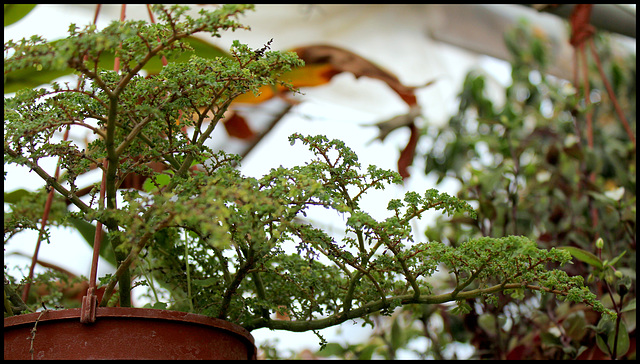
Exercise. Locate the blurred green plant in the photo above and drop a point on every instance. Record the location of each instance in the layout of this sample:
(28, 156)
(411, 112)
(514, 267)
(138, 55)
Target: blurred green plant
(522, 161)
(525, 164)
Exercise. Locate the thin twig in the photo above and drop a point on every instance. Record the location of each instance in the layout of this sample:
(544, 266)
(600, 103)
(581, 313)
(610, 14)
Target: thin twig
(33, 332)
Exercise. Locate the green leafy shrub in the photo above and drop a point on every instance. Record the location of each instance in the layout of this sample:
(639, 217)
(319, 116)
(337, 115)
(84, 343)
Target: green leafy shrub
(217, 242)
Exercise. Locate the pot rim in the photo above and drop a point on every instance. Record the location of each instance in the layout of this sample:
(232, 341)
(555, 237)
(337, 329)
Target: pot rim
(18, 322)
(123, 312)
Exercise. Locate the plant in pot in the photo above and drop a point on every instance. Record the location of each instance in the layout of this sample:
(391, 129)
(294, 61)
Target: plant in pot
(220, 252)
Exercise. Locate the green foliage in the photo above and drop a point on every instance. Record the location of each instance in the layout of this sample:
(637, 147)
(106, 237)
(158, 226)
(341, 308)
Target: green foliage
(524, 163)
(235, 247)
(526, 166)
(27, 208)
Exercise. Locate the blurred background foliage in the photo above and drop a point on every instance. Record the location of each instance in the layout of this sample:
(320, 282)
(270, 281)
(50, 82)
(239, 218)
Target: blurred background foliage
(522, 159)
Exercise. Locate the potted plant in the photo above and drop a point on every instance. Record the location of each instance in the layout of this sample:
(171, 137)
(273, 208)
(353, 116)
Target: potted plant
(221, 253)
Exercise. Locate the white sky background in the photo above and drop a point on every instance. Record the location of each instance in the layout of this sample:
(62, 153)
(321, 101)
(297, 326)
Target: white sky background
(393, 37)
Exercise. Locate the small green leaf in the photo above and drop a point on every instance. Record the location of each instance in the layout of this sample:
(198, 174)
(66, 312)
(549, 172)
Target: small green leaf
(518, 294)
(160, 179)
(488, 323)
(157, 306)
(331, 349)
(583, 256)
(367, 352)
(630, 306)
(601, 343)
(160, 306)
(576, 326)
(601, 198)
(623, 340)
(549, 339)
(615, 260)
(396, 335)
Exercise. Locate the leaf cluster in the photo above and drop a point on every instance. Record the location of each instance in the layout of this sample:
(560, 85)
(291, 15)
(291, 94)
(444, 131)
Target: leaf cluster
(526, 163)
(250, 252)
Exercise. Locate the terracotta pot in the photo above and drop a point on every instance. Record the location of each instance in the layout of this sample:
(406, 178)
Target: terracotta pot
(125, 333)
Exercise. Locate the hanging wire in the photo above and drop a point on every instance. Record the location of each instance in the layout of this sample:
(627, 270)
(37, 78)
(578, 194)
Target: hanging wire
(90, 301)
(48, 203)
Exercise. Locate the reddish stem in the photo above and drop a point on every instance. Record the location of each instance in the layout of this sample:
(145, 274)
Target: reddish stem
(612, 96)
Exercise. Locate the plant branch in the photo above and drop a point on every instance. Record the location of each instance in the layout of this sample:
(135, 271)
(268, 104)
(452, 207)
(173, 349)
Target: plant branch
(51, 181)
(123, 267)
(338, 318)
(232, 288)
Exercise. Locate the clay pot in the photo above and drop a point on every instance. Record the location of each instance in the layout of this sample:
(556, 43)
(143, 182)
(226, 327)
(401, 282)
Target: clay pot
(125, 333)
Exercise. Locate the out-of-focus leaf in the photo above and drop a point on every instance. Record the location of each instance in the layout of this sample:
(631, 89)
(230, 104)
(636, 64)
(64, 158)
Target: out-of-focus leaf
(583, 256)
(398, 121)
(601, 343)
(308, 76)
(613, 261)
(396, 335)
(623, 340)
(236, 126)
(488, 323)
(31, 77)
(16, 196)
(464, 220)
(205, 282)
(575, 326)
(331, 349)
(160, 179)
(601, 198)
(630, 306)
(407, 154)
(88, 232)
(342, 60)
(200, 47)
(15, 12)
(322, 62)
(157, 305)
(367, 352)
(550, 339)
